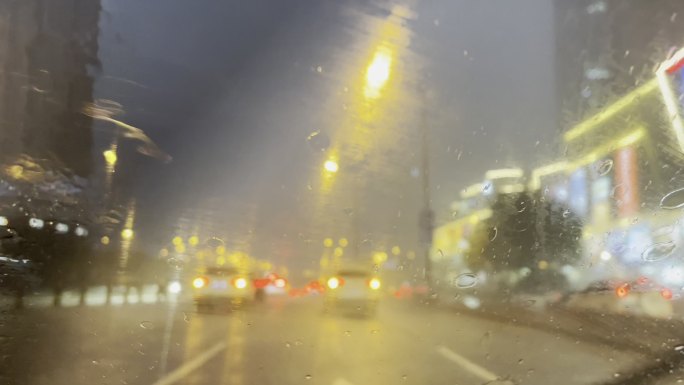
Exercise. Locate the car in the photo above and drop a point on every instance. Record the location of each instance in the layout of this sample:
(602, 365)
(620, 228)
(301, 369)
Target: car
(356, 290)
(222, 286)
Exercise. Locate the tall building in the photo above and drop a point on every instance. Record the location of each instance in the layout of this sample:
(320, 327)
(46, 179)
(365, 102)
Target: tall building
(604, 48)
(48, 56)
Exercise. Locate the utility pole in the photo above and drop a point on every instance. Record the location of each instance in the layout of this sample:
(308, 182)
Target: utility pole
(426, 219)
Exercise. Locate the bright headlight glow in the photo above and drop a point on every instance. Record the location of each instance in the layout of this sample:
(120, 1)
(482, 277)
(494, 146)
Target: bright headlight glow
(240, 283)
(333, 283)
(605, 255)
(374, 284)
(174, 287)
(199, 282)
(3, 221)
(36, 223)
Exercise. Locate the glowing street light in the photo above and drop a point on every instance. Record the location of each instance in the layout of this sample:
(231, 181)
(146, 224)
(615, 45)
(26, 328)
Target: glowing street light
(331, 166)
(126, 233)
(110, 157)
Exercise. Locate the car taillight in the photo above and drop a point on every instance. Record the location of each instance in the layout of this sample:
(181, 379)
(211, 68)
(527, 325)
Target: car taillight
(200, 282)
(666, 293)
(622, 290)
(335, 282)
(240, 283)
(374, 284)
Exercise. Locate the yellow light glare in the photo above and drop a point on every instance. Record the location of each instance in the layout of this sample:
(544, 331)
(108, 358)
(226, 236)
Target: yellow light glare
(177, 240)
(220, 250)
(331, 166)
(374, 284)
(671, 104)
(198, 282)
(104, 240)
(338, 252)
(333, 283)
(343, 242)
(504, 173)
(396, 250)
(548, 169)
(472, 191)
(610, 111)
(126, 233)
(240, 283)
(180, 248)
(328, 242)
(163, 253)
(377, 73)
(110, 157)
(627, 140)
(193, 240)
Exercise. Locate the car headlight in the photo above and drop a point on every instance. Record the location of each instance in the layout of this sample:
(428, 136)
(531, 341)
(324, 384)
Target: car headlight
(199, 282)
(374, 284)
(174, 287)
(333, 283)
(240, 283)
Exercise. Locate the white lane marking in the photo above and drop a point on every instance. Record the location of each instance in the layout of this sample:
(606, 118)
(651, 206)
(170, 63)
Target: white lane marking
(191, 365)
(341, 381)
(466, 364)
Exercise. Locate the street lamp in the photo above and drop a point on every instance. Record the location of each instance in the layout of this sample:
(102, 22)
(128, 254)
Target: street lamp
(126, 234)
(110, 157)
(331, 166)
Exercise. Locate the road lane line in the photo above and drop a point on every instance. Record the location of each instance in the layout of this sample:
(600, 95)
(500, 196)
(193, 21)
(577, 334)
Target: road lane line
(466, 364)
(191, 365)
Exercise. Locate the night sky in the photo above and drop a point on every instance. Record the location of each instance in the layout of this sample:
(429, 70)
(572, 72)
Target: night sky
(232, 89)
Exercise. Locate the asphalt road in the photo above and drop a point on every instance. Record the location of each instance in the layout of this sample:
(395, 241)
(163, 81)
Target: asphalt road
(290, 341)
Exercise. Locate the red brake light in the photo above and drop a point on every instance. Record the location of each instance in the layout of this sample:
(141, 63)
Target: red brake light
(622, 290)
(666, 293)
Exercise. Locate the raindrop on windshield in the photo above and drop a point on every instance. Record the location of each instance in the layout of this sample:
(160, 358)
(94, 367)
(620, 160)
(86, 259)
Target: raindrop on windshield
(307, 377)
(566, 213)
(605, 167)
(147, 325)
(679, 349)
(347, 333)
(673, 200)
(465, 280)
(658, 251)
(493, 233)
(318, 141)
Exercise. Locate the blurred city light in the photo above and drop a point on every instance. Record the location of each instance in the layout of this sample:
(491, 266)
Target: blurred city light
(104, 240)
(177, 240)
(333, 283)
(240, 283)
(199, 282)
(126, 233)
(164, 253)
(80, 231)
(396, 250)
(338, 252)
(174, 287)
(606, 256)
(377, 73)
(3, 221)
(343, 242)
(374, 284)
(62, 228)
(331, 166)
(193, 240)
(36, 223)
(110, 157)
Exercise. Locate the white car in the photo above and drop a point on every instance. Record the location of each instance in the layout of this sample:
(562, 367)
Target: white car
(222, 286)
(353, 290)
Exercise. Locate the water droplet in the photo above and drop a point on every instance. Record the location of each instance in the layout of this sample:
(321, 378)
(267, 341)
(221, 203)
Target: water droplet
(95, 362)
(186, 317)
(493, 233)
(298, 343)
(616, 375)
(465, 280)
(673, 17)
(349, 211)
(147, 325)
(403, 376)
(604, 167)
(529, 302)
(347, 332)
(658, 251)
(375, 331)
(440, 252)
(307, 377)
(566, 213)
(521, 361)
(318, 141)
(319, 69)
(673, 200)
(679, 349)
(288, 345)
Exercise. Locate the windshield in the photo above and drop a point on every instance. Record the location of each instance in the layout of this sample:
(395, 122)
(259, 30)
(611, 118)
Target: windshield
(341, 192)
